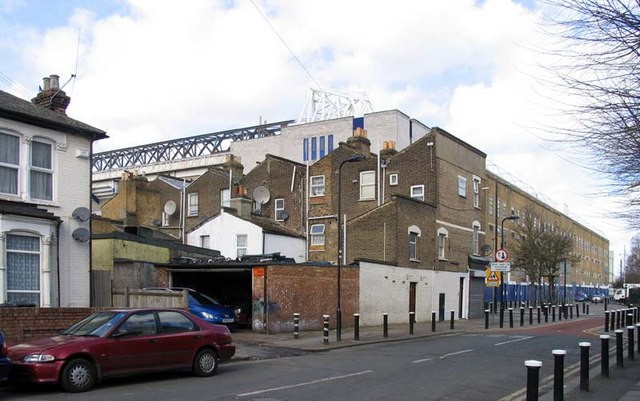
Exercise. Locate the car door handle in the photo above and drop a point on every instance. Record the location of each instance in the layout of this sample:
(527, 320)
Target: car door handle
(153, 340)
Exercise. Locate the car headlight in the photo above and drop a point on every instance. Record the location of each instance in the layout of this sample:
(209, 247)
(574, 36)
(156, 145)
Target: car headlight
(34, 358)
(237, 311)
(207, 315)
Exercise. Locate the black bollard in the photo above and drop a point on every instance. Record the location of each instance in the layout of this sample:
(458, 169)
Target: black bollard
(546, 313)
(631, 343)
(486, 319)
(501, 317)
(553, 313)
(606, 303)
(533, 379)
(530, 315)
(571, 311)
(584, 308)
(587, 309)
(584, 366)
(538, 314)
(612, 320)
(511, 317)
(618, 319)
(560, 312)
(619, 349)
(604, 355)
(521, 316)
(433, 321)
(385, 325)
(577, 310)
(638, 331)
(558, 374)
(606, 321)
(326, 329)
(629, 319)
(356, 326)
(296, 325)
(453, 314)
(566, 312)
(412, 318)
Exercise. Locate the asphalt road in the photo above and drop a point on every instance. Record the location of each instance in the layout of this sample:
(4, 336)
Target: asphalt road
(481, 366)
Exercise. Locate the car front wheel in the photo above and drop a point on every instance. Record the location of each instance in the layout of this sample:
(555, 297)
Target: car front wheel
(78, 375)
(206, 363)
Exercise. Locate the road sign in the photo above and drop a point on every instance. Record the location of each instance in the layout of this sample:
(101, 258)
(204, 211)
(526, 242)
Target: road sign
(492, 279)
(501, 255)
(501, 266)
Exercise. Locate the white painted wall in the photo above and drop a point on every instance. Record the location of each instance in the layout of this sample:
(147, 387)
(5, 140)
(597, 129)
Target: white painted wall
(71, 189)
(288, 246)
(385, 288)
(222, 231)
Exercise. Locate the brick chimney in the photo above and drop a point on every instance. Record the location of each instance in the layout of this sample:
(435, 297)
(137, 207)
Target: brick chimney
(51, 96)
(234, 165)
(360, 141)
(388, 149)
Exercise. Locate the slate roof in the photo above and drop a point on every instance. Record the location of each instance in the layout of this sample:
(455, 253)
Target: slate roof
(26, 209)
(14, 108)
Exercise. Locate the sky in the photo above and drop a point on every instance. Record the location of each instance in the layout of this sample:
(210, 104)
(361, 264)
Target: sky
(152, 70)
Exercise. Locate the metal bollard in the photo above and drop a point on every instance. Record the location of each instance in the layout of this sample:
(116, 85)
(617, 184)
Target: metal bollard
(577, 310)
(501, 317)
(619, 349)
(538, 314)
(486, 319)
(356, 326)
(587, 309)
(533, 379)
(606, 304)
(606, 321)
(546, 313)
(584, 366)
(570, 311)
(521, 316)
(612, 315)
(511, 317)
(453, 315)
(433, 321)
(560, 307)
(385, 325)
(604, 355)
(566, 311)
(638, 331)
(553, 313)
(584, 308)
(326, 329)
(558, 374)
(631, 343)
(296, 325)
(530, 315)
(629, 319)
(412, 318)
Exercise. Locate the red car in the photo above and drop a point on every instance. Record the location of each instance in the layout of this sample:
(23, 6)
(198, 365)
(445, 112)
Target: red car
(123, 342)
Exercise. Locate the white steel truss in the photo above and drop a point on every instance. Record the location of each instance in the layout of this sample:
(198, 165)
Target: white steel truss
(325, 105)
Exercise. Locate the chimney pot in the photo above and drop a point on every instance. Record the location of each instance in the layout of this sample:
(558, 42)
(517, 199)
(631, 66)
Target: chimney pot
(55, 82)
(47, 83)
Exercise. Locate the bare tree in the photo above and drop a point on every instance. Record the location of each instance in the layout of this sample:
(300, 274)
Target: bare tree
(542, 249)
(599, 72)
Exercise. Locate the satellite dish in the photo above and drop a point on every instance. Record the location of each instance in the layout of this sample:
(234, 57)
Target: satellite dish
(170, 207)
(486, 249)
(81, 234)
(81, 214)
(261, 195)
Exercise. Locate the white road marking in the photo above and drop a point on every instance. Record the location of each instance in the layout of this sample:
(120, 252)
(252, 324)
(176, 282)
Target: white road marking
(423, 360)
(455, 353)
(326, 379)
(513, 341)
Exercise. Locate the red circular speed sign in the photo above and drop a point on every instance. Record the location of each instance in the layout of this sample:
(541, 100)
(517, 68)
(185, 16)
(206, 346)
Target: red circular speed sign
(501, 255)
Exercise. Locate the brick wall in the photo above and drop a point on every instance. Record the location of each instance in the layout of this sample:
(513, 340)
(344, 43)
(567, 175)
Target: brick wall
(308, 290)
(208, 187)
(24, 324)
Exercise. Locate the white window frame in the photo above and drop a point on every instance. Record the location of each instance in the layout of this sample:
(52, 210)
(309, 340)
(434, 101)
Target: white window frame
(40, 266)
(417, 196)
(368, 185)
(205, 241)
(317, 238)
(413, 246)
(14, 166)
(475, 238)
(476, 192)
(278, 209)
(241, 250)
(319, 187)
(225, 197)
(165, 219)
(462, 186)
(443, 234)
(192, 204)
(43, 170)
(393, 179)
(491, 205)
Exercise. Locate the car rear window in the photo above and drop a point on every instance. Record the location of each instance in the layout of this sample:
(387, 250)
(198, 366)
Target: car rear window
(174, 322)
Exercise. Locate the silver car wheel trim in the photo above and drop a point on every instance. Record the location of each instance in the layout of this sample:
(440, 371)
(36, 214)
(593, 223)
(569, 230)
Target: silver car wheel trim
(207, 362)
(79, 376)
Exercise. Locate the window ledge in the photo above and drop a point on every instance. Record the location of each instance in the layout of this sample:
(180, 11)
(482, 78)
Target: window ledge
(366, 199)
(414, 260)
(443, 259)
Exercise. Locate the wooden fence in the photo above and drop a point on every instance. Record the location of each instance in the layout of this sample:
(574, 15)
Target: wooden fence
(149, 299)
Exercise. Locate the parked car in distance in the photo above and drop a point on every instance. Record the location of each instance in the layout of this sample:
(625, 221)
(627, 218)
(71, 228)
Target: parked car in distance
(581, 297)
(205, 307)
(597, 298)
(123, 342)
(5, 362)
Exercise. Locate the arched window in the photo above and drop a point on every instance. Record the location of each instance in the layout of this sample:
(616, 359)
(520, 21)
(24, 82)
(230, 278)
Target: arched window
(443, 234)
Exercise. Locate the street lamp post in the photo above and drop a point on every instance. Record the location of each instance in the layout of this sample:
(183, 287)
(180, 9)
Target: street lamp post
(502, 247)
(353, 158)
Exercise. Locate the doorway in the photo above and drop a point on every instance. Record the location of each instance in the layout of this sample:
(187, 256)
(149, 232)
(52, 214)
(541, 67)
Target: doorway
(412, 297)
(441, 307)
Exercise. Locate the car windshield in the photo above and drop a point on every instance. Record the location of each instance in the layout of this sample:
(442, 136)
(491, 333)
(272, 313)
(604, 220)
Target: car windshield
(201, 299)
(95, 325)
